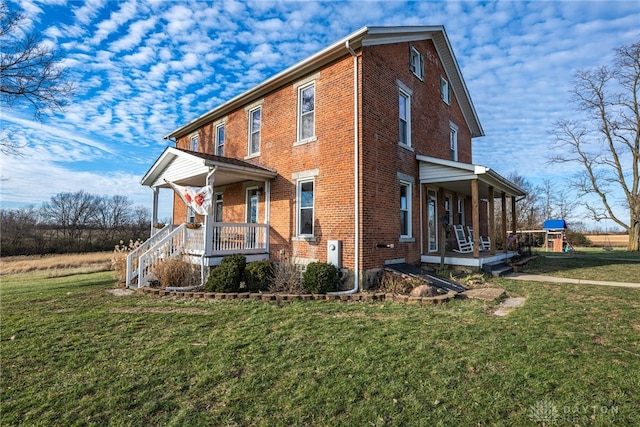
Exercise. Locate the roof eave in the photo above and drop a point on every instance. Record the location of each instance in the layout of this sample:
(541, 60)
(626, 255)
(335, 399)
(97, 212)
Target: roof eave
(292, 73)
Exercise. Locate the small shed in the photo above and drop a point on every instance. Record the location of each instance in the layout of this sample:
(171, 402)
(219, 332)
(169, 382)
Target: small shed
(555, 234)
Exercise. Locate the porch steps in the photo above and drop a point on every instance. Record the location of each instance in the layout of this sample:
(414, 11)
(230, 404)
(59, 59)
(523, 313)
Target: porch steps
(434, 279)
(497, 268)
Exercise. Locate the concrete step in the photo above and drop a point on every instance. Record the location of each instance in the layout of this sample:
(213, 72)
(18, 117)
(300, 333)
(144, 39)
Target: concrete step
(502, 271)
(497, 268)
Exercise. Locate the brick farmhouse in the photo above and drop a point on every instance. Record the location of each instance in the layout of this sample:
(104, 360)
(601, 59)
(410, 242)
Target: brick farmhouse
(359, 155)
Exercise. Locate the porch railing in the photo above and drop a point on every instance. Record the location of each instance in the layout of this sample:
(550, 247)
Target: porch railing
(170, 246)
(134, 256)
(230, 238)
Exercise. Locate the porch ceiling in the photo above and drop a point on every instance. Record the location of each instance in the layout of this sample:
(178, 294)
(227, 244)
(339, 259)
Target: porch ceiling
(457, 177)
(191, 168)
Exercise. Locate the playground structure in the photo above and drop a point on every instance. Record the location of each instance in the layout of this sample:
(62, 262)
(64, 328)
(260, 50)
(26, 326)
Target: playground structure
(555, 236)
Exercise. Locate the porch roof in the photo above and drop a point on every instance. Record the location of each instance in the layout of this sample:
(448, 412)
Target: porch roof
(457, 176)
(186, 167)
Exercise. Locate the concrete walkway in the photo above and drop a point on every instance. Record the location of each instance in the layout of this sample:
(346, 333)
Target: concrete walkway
(540, 278)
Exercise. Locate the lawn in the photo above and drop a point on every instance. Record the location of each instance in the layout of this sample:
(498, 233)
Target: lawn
(73, 354)
(589, 264)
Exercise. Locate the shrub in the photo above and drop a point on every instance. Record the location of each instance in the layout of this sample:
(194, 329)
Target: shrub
(119, 259)
(575, 238)
(176, 272)
(286, 279)
(258, 275)
(228, 275)
(320, 278)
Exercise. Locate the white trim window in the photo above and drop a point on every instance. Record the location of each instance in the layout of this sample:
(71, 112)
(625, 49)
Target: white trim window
(305, 207)
(416, 63)
(405, 209)
(255, 124)
(445, 92)
(217, 210)
(448, 208)
(307, 112)
(193, 142)
(453, 141)
(220, 132)
(460, 211)
(404, 117)
(191, 215)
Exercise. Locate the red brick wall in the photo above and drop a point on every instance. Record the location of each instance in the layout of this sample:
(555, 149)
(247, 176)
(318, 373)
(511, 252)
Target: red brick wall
(381, 158)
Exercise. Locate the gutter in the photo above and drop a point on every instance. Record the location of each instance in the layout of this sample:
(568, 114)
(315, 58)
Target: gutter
(356, 179)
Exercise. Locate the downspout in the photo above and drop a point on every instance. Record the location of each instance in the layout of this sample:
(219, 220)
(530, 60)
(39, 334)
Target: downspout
(356, 162)
(208, 235)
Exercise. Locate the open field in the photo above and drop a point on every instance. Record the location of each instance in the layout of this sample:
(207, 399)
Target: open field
(612, 240)
(73, 354)
(57, 264)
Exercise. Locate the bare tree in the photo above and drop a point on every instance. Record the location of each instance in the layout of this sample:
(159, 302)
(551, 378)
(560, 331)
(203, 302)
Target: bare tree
(607, 144)
(31, 72)
(72, 213)
(113, 214)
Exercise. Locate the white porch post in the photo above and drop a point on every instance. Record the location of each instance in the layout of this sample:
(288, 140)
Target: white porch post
(267, 212)
(208, 220)
(154, 210)
(505, 240)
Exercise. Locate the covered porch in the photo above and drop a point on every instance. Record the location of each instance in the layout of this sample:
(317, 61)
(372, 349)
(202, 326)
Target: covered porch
(204, 239)
(447, 187)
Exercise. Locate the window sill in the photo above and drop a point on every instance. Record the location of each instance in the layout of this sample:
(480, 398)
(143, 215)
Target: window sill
(406, 147)
(251, 156)
(405, 239)
(305, 141)
(312, 239)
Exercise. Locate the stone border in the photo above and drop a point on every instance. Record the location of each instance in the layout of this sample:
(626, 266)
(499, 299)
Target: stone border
(364, 297)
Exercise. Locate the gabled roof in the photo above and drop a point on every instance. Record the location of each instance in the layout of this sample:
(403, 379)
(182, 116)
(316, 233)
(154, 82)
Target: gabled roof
(366, 36)
(457, 176)
(186, 167)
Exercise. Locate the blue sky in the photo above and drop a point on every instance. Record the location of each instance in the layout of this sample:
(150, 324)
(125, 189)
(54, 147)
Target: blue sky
(147, 67)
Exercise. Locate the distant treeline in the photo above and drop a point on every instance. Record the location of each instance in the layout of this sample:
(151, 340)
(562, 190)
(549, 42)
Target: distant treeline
(72, 222)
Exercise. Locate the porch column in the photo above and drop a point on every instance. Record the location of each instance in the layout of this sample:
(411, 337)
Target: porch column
(503, 198)
(154, 210)
(267, 211)
(492, 221)
(475, 218)
(208, 222)
(514, 220)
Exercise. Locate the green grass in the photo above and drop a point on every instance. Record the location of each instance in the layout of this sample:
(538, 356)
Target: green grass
(589, 264)
(73, 354)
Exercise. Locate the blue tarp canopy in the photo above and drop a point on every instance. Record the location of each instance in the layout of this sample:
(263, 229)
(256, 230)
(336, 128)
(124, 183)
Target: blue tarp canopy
(555, 224)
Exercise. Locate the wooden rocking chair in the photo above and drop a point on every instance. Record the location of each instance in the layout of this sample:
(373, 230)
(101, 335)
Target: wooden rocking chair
(464, 246)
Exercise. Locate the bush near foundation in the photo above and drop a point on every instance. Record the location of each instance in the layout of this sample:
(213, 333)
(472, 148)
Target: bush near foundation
(176, 272)
(258, 275)
(320, 278)
(228, 275)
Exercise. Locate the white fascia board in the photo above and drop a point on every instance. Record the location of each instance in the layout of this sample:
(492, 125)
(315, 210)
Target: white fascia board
(449, 163)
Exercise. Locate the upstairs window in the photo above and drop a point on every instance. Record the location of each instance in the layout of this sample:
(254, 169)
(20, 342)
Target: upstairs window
(404, 118)
(220, 140)
(193, 142)
(416, 63)
(255, 119)
(445, 93)
(453, 141)
(306, 112)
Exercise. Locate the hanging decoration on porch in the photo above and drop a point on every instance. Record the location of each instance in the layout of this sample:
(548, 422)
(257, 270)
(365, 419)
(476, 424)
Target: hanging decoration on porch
(197, 198)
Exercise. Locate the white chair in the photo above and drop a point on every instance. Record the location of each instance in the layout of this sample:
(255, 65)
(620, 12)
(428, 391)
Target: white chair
(464, 246)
